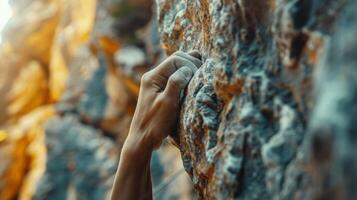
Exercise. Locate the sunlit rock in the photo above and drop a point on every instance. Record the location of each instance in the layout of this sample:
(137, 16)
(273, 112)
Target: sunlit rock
(73, 31)
(23, 155)
(31, 29)
(28, 92)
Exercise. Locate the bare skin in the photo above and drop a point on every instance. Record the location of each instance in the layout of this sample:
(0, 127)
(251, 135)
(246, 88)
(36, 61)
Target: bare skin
(155, 117)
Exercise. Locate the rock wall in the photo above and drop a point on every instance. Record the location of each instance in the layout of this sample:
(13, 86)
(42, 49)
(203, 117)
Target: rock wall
(69, 80)
(269, 115)
(271, 112)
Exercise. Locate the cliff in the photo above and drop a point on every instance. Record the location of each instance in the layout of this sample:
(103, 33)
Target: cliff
(271, 113)
(69, 81)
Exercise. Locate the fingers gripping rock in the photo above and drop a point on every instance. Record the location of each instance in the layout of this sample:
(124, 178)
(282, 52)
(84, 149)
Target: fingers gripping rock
(178, 81)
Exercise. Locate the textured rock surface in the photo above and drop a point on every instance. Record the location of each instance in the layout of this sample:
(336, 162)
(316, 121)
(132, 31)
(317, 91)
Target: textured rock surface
(251, 113)
(269, 115)
(333, 124)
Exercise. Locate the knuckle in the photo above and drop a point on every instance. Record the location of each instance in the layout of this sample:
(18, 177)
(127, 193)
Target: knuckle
(175, 60)
(146, 78)
(176, 81)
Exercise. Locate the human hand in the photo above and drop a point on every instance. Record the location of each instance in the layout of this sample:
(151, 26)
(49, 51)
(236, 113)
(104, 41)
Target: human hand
(159, 101)
(155, 117)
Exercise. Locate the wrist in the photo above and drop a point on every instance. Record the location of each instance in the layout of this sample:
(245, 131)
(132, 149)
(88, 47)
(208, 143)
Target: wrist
(136, 148)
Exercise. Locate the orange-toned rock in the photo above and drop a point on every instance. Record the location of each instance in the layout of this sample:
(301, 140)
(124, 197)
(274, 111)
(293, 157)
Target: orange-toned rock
(23, 155)
(70, 35)
(24, 85)
(25, 54)
(29, 91)
(271, 114)
(32, 28)
(74, 57)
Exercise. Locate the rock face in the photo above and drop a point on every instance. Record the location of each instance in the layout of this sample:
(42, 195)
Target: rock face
(69, 80)
(80, 164)
(270, 114)
(23, 155)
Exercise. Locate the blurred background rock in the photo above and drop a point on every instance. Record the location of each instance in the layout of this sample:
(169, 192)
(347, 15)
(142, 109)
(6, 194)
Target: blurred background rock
(69, 80)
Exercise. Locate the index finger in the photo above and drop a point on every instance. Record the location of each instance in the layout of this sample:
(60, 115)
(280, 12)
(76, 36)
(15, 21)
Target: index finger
(172, 64)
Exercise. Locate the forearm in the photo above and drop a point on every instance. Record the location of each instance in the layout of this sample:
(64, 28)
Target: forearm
(155, 116)
(133, 178)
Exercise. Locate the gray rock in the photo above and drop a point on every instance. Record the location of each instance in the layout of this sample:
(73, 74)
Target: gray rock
(94, 100)
(81, 162)
(251, 111)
